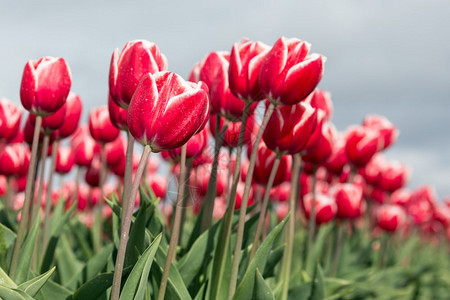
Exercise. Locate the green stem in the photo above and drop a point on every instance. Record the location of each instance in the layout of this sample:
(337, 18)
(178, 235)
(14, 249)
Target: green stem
(127, 176)
(312, 215)
(23, 225)
(176, 226)
(290, 230)
(99, 207)
(38, 205)
(49, 194)
(243, 209)
(185, 197)
(337, 248)
(208, 201)
(118, 269)
(265, 202)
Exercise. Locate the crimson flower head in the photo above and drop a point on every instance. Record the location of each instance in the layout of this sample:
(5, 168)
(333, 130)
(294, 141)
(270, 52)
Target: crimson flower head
(320, 99)
(115, 151)
(54, 121)
(325, 207)
(117, 114)
(322, 148)
(338, 158)
(45, 85)
(194, 147)
(290, 128)
(14, 160)
(101, 127)
(137, 58)
(10, 116)
(393, 176)
(390, 217)
(231, 137)
(245, 63)
(387, 131)
(74, 107)
(65, 159)
(349, 200)
(362, 144)
(288, 74)
(213, 71)
(83, 146)
(166, 111)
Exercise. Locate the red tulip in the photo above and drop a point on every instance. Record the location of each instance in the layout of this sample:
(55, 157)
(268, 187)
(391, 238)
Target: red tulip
(231, 137)
(338, 158)
(401, 197)
(10, 116)
(92, 175)
(281, 192)
(287, 74)
(371, 172)
(214, 73)
(325, 207)
(321, 150)
(194, 147)
(393, 176)
(240, 194)
(387, 131)
(201, 175)
(74, 107)
(118, 115)
(115, 151)
(101, 127)
(14, 160)
(442, 214)
(158, 184)
(264, 163)
(167, 111)
(84, 147)
(362, 144)
(349, 200)
(290, 128)
(320, 99)
(390, 217)
(65, 159)
(45, 85)
(3, 186)
(137, 58)
(245, 64)
(119, 169)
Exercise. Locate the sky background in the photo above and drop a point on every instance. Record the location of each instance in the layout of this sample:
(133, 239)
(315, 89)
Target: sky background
(385, 57)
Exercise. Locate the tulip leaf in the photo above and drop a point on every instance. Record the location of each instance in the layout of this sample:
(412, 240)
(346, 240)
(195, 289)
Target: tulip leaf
(32, 286)
(274, 258)
(67, 263)
(52, 290)
(6, 281)
(57, 226)
(245, 288)
(137, 281)
(7, 239)
(302, 291)
(95, 287)
(262, 291)
(13, 294)
(318, 287)
(136, 240)
(318, 247)
(26, 253)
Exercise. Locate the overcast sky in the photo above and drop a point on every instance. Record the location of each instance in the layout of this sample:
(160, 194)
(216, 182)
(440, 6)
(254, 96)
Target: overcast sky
(385, 57)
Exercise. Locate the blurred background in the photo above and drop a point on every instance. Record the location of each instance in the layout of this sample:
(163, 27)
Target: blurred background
(385, 57)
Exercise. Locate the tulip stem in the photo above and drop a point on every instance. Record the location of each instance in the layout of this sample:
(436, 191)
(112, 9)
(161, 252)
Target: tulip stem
(185, 197)
(208, 202)
(23, 225)
(176, 225)
(48, 195)
(229, 174)
(223, 245)
(243, 209)
(290, 230)
(312, 215)
(124, 232)
(265, 202)
(337, 248)
(9, 197)
(127, 176)
(99, 207)
(38, 203)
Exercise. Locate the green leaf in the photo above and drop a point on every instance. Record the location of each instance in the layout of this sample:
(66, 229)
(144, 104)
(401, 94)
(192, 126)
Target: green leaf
(318, 247)
(273, 259)
(52, 290)
(318, 288)
(261, 291)
(13, 294)
(95, 287)
(26, 253)
(135, 244)
(7, 239)
(302, 291)
(136, 283)
(67, 263)
(93, 266)
(6, 281)
(245, 288)
(57, 222)
(32, 287)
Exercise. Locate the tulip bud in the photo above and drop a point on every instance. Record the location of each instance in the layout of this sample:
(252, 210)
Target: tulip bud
(245, 63)
(401, 197)
(137, 58)
(290, 128)
(393, 176)
(281, 193)
(74, 107)
(338, 158)
(325, 207)
(45, 85)
(118, 115)
(101, 127)
(115, 151)
(320, 99)
(194, 147)
(390, 217)
(10, 162)
(287, 74)
(320, 151)
(65, 159)
(387, 131)
(158, 184)
(231, 137)
(10, 116)
(92, 175)
(349, 200)
(83, 147)
(361, 145)
(167, 111)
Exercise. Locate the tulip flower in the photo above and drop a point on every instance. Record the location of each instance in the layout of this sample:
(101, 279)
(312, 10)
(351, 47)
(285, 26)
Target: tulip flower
(65, 159)
(137, 58)
(159, 185)
(349, 200)
(290, 128)
(167, 111)
(321, 150)
(194, 147)
(362, 144)
(387, 131)
(45, 85)
(325, 207)
(74, 107)
(101, 127)
(393, 176)
(288, 74)
(231, 136)
(390, 217)
(10, 117)
(84, 147)
(10, 159)
(320, 99)
(245, 63)
(118, 115)
(338, 158)
(115, 151)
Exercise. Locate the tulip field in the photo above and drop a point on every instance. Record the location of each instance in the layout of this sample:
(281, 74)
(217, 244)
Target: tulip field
(231, 183)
